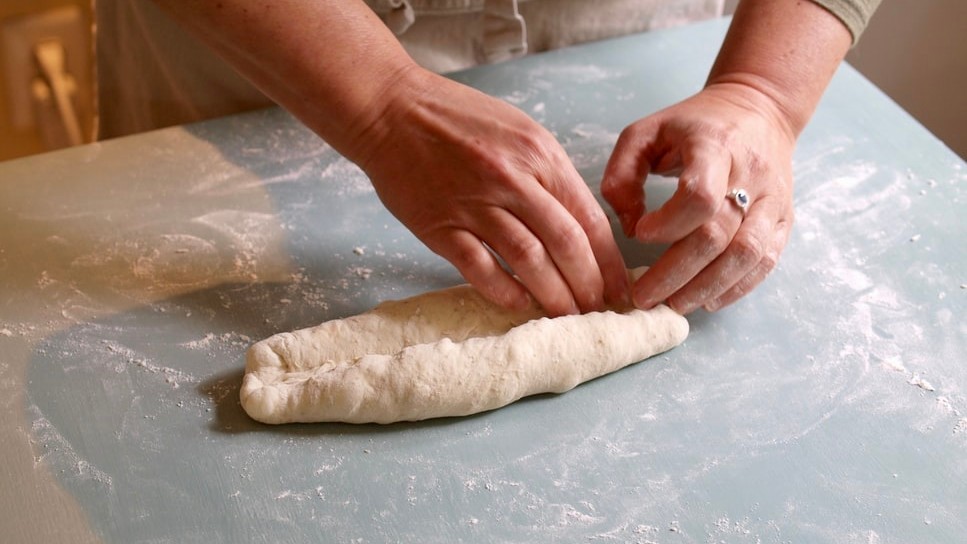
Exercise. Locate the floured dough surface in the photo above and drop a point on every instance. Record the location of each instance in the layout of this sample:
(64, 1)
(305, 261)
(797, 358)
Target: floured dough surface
(443, 353)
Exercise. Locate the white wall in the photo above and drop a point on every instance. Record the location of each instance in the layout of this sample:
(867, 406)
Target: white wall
(916, 52)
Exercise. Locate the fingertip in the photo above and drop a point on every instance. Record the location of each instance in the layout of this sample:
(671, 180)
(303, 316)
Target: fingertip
(713, 306)
(571, 307)
(643, 230)
(628, 220)
(555, 310)
(644, 304)
(620, 298)
(618, 290)
(520, 302)
(510, 295)
(681, 307)
(482, 270)
(552, 304)
(645, 292)
(643, 301)
(624, 191)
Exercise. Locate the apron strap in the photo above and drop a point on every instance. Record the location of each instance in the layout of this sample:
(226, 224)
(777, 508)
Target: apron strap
(504, 31)
(397, 14)
(503, 34)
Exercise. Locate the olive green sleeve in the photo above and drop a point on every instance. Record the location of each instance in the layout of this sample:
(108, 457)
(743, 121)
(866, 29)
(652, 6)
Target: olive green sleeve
(855, 14)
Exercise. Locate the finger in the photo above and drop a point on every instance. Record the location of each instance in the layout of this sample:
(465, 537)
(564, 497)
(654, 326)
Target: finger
(743, 254)
(706, 168)
(528, 257)
(579, 203)
(622, 185)
(617, 287)
(759, 273)
(480, 268)
(685, 259)
(554, 243)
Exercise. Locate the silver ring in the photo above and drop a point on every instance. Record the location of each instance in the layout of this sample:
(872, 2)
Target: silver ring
(740, 198)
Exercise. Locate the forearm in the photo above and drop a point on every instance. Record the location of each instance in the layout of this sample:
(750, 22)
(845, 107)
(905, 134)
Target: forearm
(477, 180)
(855, 14)
(785, 50)
(331, 63)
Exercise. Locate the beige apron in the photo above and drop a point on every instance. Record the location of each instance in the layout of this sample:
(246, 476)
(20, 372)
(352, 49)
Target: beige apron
(152, 73)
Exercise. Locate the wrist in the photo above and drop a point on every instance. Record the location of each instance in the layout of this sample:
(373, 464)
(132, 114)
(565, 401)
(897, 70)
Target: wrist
(785, 51)
(749, 94)
(367, 130)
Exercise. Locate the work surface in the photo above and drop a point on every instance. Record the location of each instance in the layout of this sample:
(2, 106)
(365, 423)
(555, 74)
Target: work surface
(828, 406)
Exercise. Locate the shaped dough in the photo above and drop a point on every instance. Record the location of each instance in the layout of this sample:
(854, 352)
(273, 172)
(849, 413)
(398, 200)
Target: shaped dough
(443, 353)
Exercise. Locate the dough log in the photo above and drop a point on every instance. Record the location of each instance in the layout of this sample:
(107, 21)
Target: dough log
(443, 353)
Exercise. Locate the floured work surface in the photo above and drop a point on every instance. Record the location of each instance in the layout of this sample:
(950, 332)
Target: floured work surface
(827, 406)
(439, 354)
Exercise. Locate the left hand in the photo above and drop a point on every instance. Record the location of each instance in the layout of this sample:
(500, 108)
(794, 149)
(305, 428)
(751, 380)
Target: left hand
(728, 136)
(475, 179)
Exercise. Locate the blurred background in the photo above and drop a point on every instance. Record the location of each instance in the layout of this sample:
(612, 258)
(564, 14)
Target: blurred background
(915, 51)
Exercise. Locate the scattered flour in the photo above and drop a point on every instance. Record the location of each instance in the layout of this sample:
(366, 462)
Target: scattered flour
(350, 180)
(48, 442)
(171, 376)
(921, 383)
(361, 272)
(961, 426)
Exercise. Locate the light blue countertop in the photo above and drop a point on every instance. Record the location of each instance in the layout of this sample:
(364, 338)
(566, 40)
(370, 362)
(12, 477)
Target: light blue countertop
(828, 406)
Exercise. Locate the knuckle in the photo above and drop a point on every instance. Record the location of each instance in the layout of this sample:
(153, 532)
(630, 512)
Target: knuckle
(748, 249)
(535, 146)
(538, 143)
(524, 253)
(500, 167)
(610, 189)
(470, 261)
(756, 165)
(594, 217)
(744, 286)
(769, 261)
(629, 133)
(699, 196)
(712, 238)
(570, 236)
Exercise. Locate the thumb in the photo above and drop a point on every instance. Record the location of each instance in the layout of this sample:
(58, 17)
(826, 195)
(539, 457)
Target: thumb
(623, 183)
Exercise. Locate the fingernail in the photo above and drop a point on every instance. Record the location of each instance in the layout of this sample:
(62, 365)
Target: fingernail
(643, 303)
(684, 310)
(624, 299)
(620, 297)
(522, 302)
(628, 224)
(641, 231)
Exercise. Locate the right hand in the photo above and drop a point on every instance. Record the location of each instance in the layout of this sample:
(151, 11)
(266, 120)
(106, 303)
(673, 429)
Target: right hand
(475, 179)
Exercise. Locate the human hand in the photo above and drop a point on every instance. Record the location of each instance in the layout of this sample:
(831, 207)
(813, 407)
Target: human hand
(728, 136)
(475, 178)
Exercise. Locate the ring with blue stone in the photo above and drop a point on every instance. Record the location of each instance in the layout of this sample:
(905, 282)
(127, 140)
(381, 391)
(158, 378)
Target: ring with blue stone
(741, 199)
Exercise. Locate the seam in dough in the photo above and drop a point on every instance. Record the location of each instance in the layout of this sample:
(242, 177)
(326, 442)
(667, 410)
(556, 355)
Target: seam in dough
(443, 353)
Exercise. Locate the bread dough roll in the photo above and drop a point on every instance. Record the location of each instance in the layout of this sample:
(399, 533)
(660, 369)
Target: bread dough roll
(443, 353)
